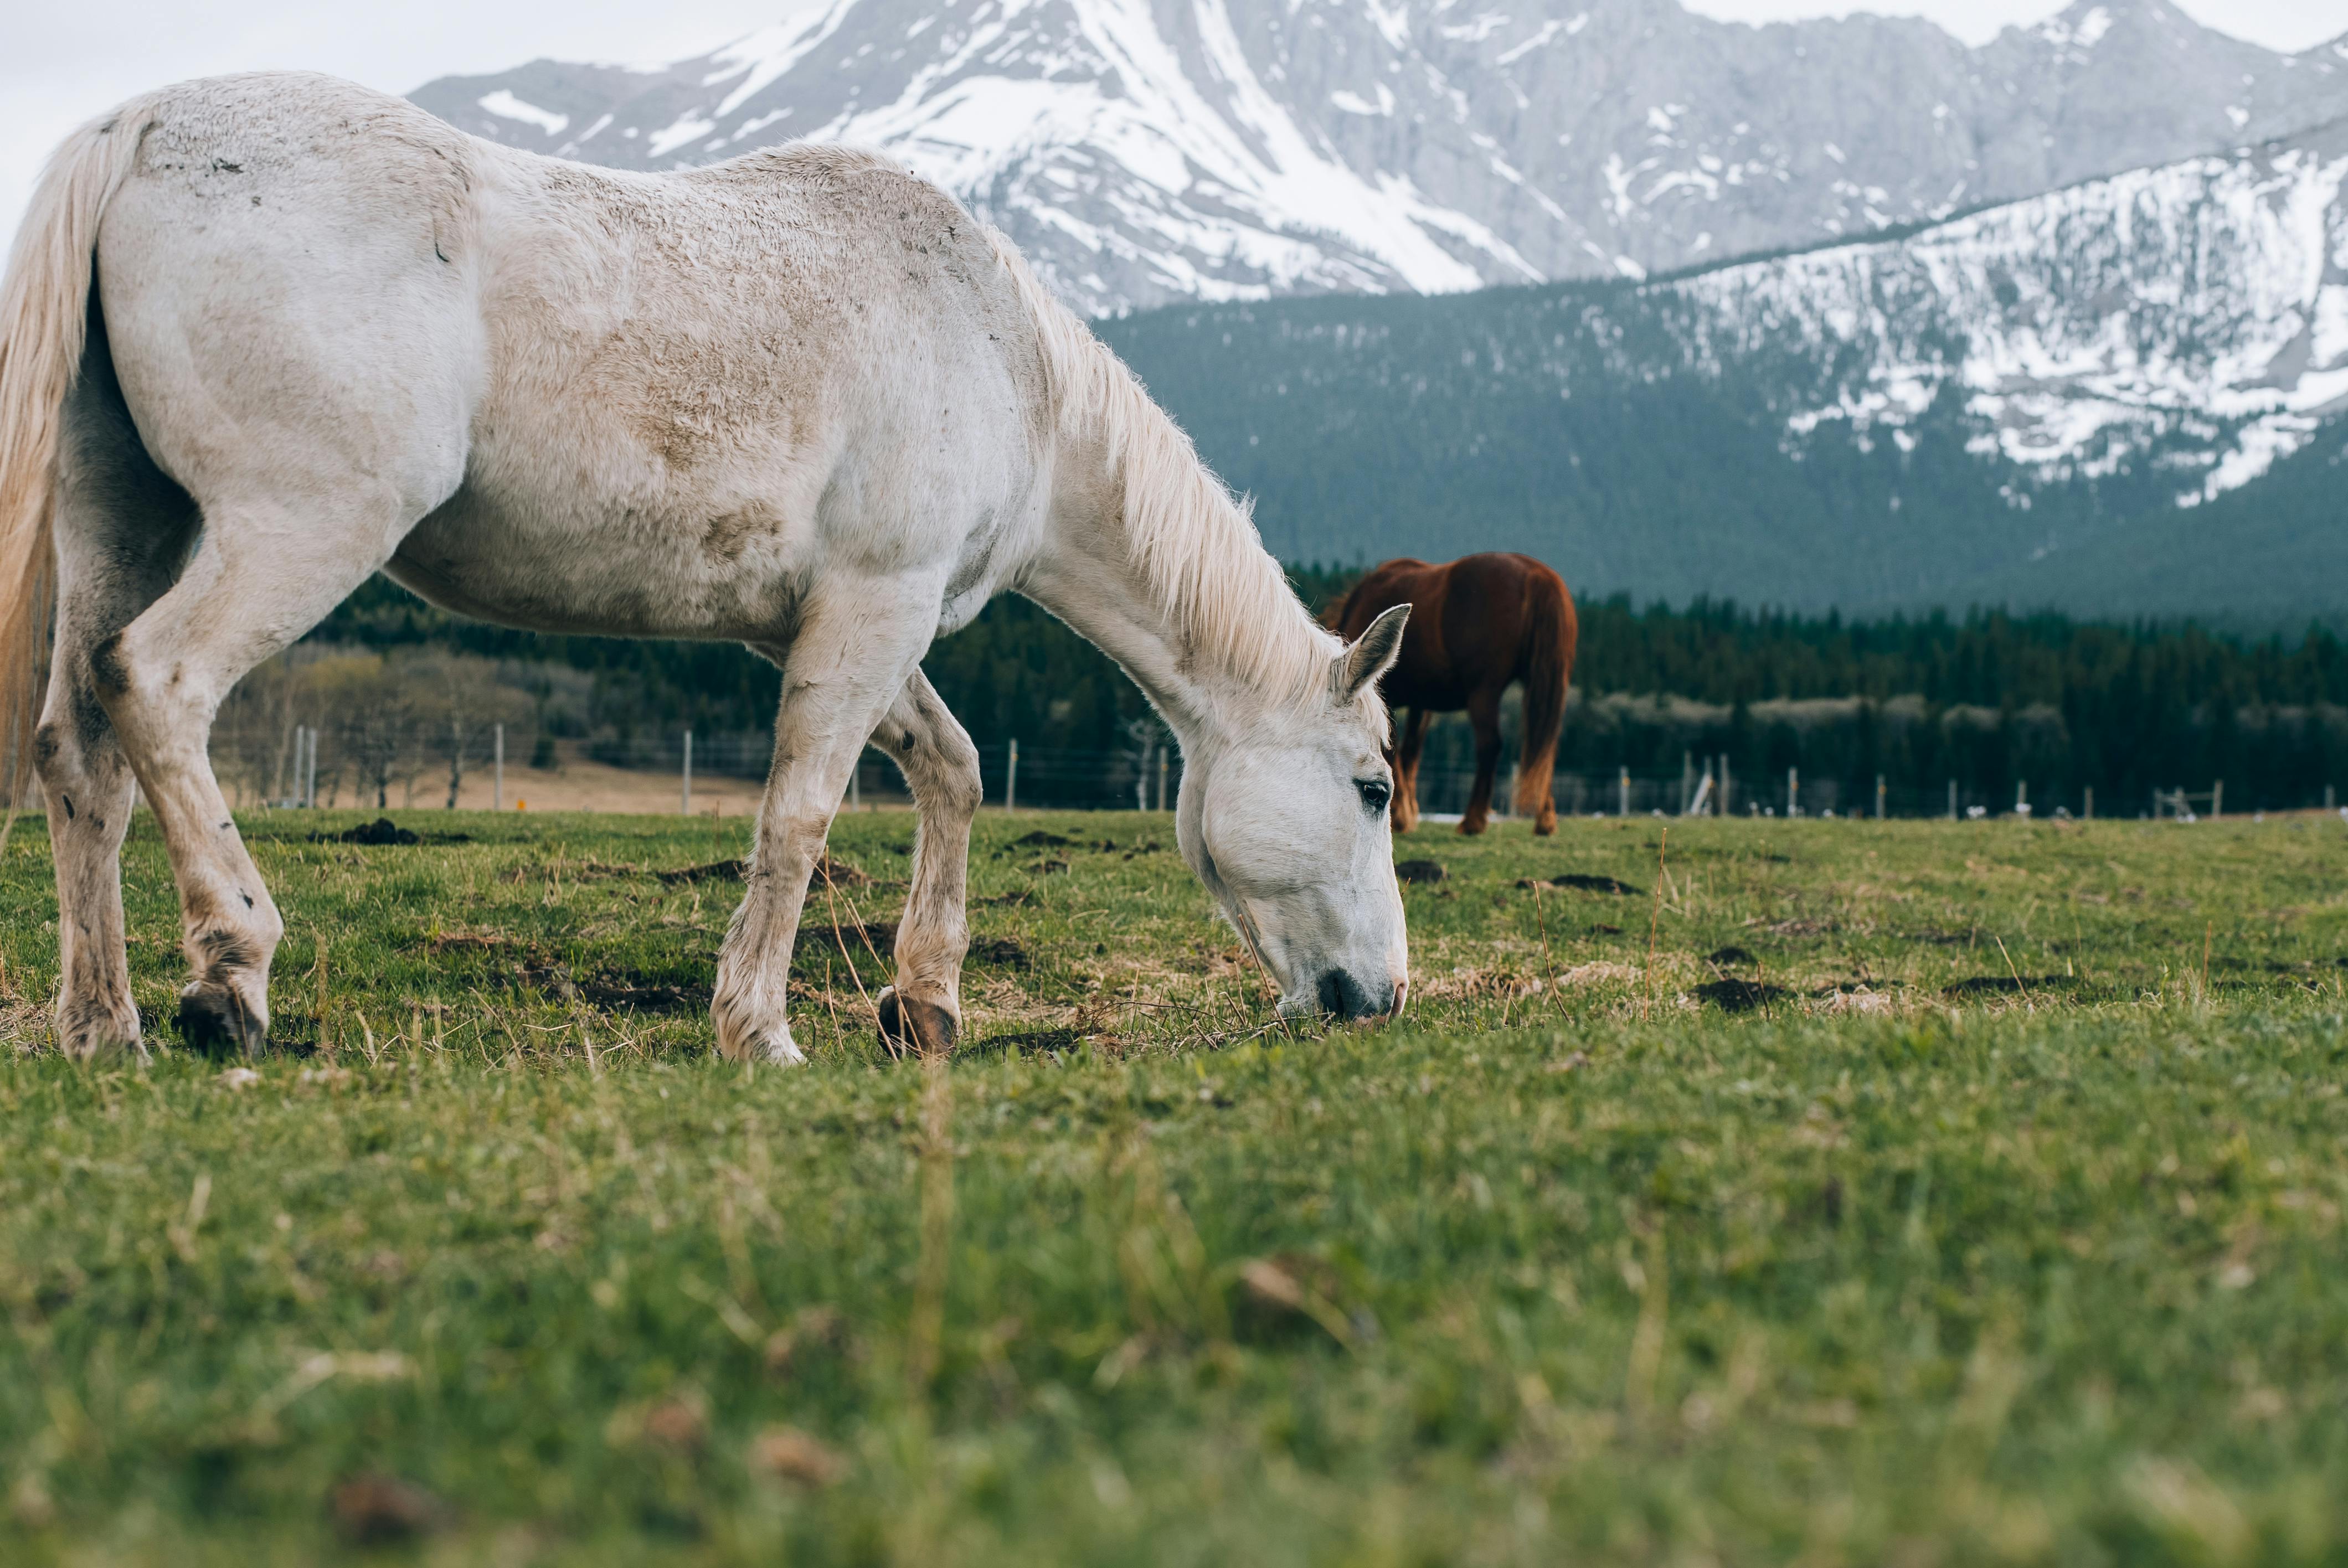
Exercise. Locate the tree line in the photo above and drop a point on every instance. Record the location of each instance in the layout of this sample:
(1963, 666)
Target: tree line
(1987, 699)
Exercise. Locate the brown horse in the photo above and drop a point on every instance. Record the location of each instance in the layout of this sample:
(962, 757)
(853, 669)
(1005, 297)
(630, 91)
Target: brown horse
(1476, 625)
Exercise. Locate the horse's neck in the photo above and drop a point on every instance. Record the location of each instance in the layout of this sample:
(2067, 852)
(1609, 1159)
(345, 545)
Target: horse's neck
(1090, 574)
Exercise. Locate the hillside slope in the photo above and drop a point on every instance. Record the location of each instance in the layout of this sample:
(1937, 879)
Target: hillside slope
(2038, 403)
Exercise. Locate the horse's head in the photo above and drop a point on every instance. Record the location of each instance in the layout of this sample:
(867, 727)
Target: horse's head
(1286, 825)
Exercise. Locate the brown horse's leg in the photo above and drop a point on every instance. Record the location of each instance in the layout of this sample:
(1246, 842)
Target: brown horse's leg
(1484, 712)
(1406, 797)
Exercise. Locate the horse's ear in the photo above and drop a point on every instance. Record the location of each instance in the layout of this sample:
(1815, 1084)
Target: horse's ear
(1372, 655)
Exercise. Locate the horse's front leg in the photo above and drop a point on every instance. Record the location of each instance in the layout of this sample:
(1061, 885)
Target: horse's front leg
(852, 658)
(1405, 794)
(922, 1012)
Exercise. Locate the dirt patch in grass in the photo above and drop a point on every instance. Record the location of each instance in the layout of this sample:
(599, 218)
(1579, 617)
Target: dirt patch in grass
(838, 873)
(828, 938)
(2004, 984)
(1420, 871)
(1732, 995)
(1027, 1042)
(1584, 882)
(385, 833)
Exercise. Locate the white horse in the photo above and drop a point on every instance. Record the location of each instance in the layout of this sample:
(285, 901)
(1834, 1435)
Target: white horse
(802, 400)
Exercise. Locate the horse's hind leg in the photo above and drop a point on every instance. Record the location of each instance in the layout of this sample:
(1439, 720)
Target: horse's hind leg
(1407, 755)
(121, 532)
(1484, 713)
(261, 576)
(922, 1010)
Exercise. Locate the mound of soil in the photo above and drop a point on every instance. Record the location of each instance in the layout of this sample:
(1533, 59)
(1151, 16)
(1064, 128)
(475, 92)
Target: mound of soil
(382, 830)
(1589, 884)
(1730, 955)
(1740, 996)
(1030, 1043)
(1002, 952)
(1420, 871)
(1994, 985)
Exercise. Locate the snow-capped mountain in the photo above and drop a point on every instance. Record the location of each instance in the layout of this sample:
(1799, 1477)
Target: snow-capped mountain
(2141, 379)
(1145, 151)
(2193, 316)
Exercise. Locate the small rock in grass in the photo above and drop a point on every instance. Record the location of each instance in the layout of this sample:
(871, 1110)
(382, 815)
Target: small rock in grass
(677, 1424)
(791, 1454)
(371, 1509)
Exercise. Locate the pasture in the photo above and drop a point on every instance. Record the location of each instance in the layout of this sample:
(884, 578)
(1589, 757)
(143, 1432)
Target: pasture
(1839, 1193)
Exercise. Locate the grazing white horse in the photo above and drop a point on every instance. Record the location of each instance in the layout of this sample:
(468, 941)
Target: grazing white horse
(265, 335)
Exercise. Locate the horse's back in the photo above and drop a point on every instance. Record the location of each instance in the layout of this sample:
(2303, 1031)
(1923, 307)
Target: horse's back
(625, 402)
(1473, 626)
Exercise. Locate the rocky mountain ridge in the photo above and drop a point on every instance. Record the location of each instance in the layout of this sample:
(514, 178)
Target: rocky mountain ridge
(1150, 151)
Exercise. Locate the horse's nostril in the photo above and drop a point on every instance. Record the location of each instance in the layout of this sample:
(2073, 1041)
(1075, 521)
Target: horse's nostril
(1342, 994)
(1333, 991)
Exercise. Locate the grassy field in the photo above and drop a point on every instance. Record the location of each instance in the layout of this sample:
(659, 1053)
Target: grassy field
(1838, 1193)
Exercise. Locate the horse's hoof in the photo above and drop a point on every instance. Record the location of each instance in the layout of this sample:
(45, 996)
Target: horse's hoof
(911, 1024)
(215, 1021)
(87, 1032)
(779, 1050)
(1471, 829)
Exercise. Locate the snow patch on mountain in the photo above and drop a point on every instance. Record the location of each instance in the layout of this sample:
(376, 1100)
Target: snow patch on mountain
(1144, 151)
(2195, 316)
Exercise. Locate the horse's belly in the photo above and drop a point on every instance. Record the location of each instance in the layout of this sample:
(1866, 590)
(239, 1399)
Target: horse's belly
(606, 572)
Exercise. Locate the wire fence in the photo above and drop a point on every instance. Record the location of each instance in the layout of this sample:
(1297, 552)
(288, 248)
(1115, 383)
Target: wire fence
(345, 763)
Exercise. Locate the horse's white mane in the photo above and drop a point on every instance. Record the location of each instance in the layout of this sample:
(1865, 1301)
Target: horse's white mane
(1196, 545)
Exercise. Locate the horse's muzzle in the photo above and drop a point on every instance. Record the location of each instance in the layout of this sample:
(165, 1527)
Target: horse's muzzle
(1344, 996)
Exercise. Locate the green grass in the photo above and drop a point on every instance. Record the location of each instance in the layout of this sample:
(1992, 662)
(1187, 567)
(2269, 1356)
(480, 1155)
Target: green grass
(1592, 1272)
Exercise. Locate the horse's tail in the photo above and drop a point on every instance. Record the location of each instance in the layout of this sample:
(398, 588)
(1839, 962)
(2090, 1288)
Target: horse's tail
(44, 305)
(1550, 633)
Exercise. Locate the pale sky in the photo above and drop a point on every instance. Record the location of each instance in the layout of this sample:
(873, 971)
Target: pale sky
(65, 62)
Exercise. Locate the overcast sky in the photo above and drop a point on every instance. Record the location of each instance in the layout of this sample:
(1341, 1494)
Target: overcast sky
(65, 62)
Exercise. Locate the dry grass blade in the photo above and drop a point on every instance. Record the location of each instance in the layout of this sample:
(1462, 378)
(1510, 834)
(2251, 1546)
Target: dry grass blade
(1654, 923)
(2020, 987)
(833, 910)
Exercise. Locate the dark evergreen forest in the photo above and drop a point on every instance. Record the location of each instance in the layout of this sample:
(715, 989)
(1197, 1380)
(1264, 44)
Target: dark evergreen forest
(1986, 700)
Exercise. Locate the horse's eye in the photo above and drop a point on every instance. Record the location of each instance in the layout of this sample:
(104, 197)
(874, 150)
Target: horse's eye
(1375, 793)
